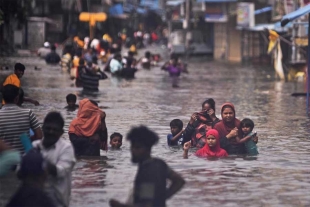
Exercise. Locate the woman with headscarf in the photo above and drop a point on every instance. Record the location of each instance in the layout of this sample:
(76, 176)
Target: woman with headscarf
(211, 148)
(200, 123)
(229, 129)
(88, 132)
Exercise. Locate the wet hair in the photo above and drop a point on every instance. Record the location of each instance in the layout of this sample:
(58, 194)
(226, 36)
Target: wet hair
(147, 54)
(81, 61)
(19, 66)
(10, 92)
(117, 55)
(116, 134)
(174, 56)
(54, 117)
(130, 53)
(247, 123)
(176, 123)
(209, 101)
(53, 47)
(71, 97)
(143, 136)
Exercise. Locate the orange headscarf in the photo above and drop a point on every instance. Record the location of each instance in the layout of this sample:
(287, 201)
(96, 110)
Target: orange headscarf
(88, 119)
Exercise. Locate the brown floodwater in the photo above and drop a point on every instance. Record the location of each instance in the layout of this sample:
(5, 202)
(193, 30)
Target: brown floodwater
(278, 176)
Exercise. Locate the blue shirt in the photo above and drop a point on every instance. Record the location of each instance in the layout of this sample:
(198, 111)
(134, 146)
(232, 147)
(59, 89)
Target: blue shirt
(175, 143)
(250, 145)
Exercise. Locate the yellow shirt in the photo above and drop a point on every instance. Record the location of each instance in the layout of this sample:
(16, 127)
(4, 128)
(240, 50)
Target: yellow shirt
(12, 79)
(107, 38)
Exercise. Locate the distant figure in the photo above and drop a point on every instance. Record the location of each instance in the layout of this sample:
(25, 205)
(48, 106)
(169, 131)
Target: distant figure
(71, 101)
(150, 185)
(33, 174)
(43, 51)
(211, 149)
(174, 70)
(116, 141)
(247, 126)
(176, 136)
(66, 59)
(14, 79)
(52, 58)
(146, 60)
(116, 65)
(60, 159)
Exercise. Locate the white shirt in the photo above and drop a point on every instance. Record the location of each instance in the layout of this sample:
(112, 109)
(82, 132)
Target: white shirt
(115, 66)
(62, 156)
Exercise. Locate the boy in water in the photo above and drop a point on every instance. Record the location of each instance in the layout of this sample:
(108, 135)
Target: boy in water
(116, 141)
(174, 70)
(176, 136)
(151, 180)
(71, 101)
(247, 126)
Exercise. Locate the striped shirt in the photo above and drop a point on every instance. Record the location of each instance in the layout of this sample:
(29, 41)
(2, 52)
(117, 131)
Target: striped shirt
(90, 81)
(15, 121)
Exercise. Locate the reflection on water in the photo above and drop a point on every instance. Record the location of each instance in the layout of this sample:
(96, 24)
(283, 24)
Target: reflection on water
(278, 177)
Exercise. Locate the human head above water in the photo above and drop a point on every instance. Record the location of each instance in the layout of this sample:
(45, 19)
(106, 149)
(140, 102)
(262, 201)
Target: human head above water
(52, 128)
(142, 139)
(10, 94)
(176, 126)
(228, 112)
(71, 100)
(208, 104)
(116, 140)
(247, 123)
(19, 70)
(53, 48)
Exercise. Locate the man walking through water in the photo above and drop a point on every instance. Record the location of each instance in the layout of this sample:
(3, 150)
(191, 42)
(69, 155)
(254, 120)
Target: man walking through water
(151, 180)
(59, 155)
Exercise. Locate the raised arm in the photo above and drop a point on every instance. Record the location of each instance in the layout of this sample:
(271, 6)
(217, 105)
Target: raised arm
(177, 183)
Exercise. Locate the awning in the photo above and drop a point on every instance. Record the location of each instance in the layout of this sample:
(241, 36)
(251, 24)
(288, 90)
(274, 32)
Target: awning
(116, 10)
(175, 3)
(216, 1)
(295, 15)
(263, 10)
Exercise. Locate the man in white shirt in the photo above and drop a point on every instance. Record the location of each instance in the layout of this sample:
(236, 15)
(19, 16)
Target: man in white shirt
(115, 64)
(59, 155)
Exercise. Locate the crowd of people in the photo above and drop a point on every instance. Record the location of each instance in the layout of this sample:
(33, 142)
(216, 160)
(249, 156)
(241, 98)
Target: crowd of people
(89, 60)
(44, 161)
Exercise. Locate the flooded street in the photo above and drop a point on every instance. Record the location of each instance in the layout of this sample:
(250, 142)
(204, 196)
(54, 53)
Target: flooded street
(280, 175)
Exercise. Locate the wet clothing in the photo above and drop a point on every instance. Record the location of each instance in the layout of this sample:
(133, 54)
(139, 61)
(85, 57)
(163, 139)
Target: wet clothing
(61, 154)
(206, 151)
(174, 70)
(90, 81)
(224, 128)
(197, 132)
(175, 143)
(66, 62)
(84, 127)
(27, 196)
(15, 121)
(250, 145)
(52, 58)
(150, 183)
(115, 66)
(13, 80)
(43, 51)
(8, 159)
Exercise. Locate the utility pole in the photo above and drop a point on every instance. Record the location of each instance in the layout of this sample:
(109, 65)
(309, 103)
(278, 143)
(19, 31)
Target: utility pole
(187, 26)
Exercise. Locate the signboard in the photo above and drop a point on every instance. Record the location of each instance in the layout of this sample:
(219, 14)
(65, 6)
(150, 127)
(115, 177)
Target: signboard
(245, 15)
(216, 12)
